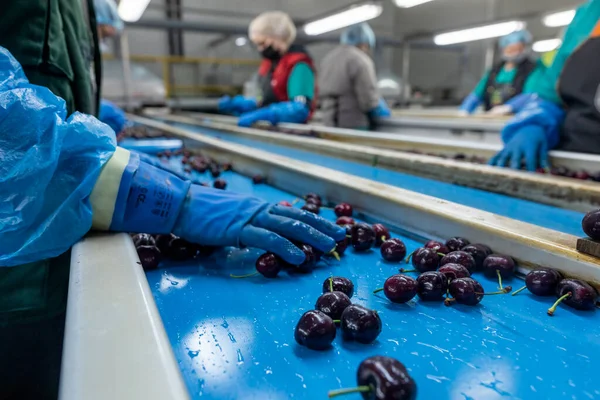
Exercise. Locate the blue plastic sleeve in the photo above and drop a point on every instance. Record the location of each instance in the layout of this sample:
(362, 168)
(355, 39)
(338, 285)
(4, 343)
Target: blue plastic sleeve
(538, 112)
(517, 103)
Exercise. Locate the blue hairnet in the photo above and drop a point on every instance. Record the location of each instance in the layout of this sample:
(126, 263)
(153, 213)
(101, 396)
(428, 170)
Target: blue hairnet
(50, 164)
(359, 34)
(108, 14)
(522, 36)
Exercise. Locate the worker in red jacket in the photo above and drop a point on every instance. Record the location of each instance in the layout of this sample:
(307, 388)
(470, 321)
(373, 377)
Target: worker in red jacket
(287, 75)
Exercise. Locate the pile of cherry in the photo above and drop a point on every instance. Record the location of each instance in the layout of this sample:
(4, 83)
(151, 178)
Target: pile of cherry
(152, 249)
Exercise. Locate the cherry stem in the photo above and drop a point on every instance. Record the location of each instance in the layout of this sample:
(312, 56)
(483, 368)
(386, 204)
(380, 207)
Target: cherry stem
(441, 254)
(331, 284)
(335, 254)
(378, 290)
(404, 271)
(494, 293)
(341, 392)
(243, 276)
(409, 257)
(336, 321)
(499, 280)
(519, 291)
(560, 300)
(296, 200)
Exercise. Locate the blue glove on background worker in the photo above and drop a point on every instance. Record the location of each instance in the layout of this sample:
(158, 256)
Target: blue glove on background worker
(537, 127)
(62, 176)
(382, 110)
(236, 105)
(112, 116)
(289, 111)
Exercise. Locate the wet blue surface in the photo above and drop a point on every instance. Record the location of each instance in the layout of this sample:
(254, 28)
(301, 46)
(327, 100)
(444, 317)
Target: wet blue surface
(233, 338)
(547, 216)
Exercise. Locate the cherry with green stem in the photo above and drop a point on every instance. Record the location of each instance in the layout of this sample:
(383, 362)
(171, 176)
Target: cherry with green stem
(552, 309)
(342, 392)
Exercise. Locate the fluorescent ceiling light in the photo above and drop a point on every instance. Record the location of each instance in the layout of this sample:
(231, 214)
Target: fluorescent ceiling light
(132, 10)
(479, 33)
(241, 41)
(351, 16)
(544, 46)
(562, 18)
(410, 3)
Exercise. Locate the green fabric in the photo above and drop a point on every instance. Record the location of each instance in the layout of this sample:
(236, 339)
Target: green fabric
(585, 20)
(53, 42)
(301, 82)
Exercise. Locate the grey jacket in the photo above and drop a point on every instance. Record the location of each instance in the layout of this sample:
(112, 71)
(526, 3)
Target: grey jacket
(347, 88)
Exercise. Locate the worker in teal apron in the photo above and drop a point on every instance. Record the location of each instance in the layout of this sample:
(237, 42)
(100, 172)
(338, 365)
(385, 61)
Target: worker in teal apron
(62, 174)
(286, 76)
(500, 89)
(564, 112)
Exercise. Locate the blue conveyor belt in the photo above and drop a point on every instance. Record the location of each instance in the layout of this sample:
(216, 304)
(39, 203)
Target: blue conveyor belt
(523, 210)
(233, 338)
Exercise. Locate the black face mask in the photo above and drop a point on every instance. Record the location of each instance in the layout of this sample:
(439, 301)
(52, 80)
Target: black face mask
(270, 53)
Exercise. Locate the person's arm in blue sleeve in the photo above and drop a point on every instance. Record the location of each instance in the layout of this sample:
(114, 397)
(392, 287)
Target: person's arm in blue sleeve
(475, 98)
(301, 89)
(62, 176)
(112, 116)
(536, 128)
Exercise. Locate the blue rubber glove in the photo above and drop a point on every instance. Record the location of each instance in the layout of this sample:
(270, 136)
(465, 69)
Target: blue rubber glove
(529, 143)
(236, 105)
(381, 111)
(470, 104)
(112, 116)
(153, 201)
(531, 134)
(155, 162)
(290, 111)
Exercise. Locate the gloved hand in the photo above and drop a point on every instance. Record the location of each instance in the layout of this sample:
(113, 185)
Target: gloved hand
(381, 111)
(529, 143)
(470, 104)
(237, 105)
(289, 111)
(153, 201)
(112, 116)
(531, 134)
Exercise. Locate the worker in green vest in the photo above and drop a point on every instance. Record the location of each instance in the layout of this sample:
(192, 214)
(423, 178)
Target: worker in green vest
(504, 88)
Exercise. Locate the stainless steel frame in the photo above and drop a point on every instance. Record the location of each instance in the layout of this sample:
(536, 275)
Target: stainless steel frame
(115, 344)
(418, 214)
(546, 189)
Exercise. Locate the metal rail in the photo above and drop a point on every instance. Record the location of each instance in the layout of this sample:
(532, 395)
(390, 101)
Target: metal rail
(425, 145)
(411, 212)
(115, 344)
(546, 189)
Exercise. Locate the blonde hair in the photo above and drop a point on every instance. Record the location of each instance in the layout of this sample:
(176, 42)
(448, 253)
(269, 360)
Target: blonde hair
(275, 24)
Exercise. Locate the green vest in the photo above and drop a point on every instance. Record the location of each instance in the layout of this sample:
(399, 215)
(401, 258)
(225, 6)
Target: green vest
(54, 42)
